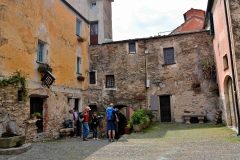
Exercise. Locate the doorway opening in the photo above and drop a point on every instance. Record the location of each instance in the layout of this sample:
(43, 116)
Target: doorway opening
(165, 108)
(36, 105)
(120, 128)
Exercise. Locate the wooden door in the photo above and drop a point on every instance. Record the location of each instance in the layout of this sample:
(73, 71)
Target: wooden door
(36, 105)
(165, 110)
(94, 33)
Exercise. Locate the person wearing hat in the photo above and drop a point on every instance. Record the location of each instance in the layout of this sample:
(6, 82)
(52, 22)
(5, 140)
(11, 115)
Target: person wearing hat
(85, 123)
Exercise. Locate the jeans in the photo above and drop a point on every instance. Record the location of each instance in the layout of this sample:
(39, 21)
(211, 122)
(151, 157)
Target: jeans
(85, 130)
(95, 134)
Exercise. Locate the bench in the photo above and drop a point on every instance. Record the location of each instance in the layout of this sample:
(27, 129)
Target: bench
(65, 132)
(188, 117)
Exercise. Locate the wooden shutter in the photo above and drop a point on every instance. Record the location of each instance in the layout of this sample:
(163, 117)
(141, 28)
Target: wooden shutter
(153, 102)
(94, 33)
(210, 17)
(78, 27)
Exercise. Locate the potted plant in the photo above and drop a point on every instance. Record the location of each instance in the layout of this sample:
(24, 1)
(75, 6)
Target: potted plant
(127, 128)
(36, 115)
(149, 114)
(137, 120)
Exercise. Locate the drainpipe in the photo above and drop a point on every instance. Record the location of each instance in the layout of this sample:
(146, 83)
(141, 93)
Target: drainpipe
(231, 58)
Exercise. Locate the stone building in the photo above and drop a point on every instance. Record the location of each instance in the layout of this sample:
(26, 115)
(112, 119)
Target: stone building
(223, 22)
(166, 74)
(47, 41)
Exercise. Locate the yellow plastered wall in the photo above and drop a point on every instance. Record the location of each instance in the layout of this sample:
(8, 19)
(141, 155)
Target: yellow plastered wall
(24, 23)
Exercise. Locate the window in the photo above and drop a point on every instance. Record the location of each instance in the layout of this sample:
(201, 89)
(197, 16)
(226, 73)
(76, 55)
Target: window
(132, 48)
(110, 81)
(40, 56)
(92, 78)
(78, 27)
(93, 5)
(225, 62)
(168, 55)
(79, 65)
(210, 17)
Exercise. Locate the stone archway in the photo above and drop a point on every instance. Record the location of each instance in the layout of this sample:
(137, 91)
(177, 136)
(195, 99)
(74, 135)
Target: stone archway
(229, 102)
(122, 115)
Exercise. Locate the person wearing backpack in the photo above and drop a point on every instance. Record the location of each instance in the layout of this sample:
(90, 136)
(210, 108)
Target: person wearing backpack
(77, 123)
(110, 123)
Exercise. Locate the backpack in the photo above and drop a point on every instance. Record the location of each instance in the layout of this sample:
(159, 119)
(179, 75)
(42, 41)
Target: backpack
(81, 116)
(109, 113)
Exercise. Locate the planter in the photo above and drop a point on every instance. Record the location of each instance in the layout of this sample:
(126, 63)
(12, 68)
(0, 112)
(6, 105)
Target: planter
(80, 39)
(80, 78)
(137, 127)
(44, 68)
(127, 130)
(12, 140)
(34, 117)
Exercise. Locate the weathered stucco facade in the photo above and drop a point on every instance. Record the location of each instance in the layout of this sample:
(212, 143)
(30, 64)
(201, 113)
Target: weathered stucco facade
(225, 21)
(23, 25)
(176, 80)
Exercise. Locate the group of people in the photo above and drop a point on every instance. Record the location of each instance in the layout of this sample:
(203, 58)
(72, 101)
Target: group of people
(82, 118)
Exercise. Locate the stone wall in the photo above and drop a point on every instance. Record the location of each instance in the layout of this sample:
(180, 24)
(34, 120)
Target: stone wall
(176, 79)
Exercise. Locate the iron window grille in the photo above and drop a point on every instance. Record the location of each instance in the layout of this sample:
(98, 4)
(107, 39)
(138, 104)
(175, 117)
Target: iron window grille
(132, 48)
(168, 56)
(92, 77)
(110, 82)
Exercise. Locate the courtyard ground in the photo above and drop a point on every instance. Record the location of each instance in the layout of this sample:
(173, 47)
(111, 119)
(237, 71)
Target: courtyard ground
(157, 142)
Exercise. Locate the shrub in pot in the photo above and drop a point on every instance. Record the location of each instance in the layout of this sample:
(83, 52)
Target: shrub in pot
(136, 120)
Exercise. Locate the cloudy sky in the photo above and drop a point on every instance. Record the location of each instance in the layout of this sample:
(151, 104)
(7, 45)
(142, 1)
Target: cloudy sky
(145, 18)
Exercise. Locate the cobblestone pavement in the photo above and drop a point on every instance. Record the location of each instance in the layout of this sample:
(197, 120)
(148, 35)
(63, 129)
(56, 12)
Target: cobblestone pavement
(158, 142)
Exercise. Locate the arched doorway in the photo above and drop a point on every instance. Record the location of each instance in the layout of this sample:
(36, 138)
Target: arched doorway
(122, 115)
(230, 105)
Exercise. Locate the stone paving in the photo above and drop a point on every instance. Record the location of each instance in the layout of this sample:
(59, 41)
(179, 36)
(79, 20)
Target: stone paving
(158, 142)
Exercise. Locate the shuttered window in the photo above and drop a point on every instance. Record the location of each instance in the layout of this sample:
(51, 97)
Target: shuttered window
(78, 27)
(210, 17)
(110, 82)
(40, 56)
(79, 65)
(132, 48)
(154, 102)
(168, 55)
(92, 77)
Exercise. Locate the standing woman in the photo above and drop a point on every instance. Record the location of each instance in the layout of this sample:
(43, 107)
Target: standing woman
(85, 123)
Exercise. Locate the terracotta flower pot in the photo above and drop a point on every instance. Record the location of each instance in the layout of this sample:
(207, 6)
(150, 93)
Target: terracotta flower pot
(127, 130)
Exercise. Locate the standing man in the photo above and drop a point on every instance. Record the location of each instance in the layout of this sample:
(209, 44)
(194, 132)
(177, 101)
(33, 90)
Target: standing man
(76, 123)
(85, 123)
(110, 123)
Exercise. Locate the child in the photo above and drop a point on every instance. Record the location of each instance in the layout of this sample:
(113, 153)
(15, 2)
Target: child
(95, 125)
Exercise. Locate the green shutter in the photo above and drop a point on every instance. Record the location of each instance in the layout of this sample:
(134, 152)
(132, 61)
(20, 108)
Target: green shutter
(210, 17)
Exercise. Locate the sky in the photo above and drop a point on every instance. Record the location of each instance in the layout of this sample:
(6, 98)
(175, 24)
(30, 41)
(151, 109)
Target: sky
(145, 18)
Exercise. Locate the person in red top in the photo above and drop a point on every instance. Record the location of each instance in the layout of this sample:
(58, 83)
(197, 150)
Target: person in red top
(85, 123)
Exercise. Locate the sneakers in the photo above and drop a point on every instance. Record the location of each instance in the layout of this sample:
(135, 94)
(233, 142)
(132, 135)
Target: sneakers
(113, 140)
(94, 138)
(109, 140)
(78, 137)
(97, 138)
(84, 139)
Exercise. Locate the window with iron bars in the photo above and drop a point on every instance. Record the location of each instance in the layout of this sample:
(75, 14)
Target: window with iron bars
(110, 82)
(168, 55)
(92, 78)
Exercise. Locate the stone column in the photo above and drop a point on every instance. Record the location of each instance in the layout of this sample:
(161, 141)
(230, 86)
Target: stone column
(31, 129)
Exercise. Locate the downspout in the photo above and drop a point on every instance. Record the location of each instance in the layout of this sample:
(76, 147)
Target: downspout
(231, 58)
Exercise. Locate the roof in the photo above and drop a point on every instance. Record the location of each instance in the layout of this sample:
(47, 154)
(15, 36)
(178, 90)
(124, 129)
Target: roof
(155, 37)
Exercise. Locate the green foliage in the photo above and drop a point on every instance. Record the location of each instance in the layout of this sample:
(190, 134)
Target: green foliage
(36, 114)
(17, 80)
(137, 117)
(149, 114)
(208, 68)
